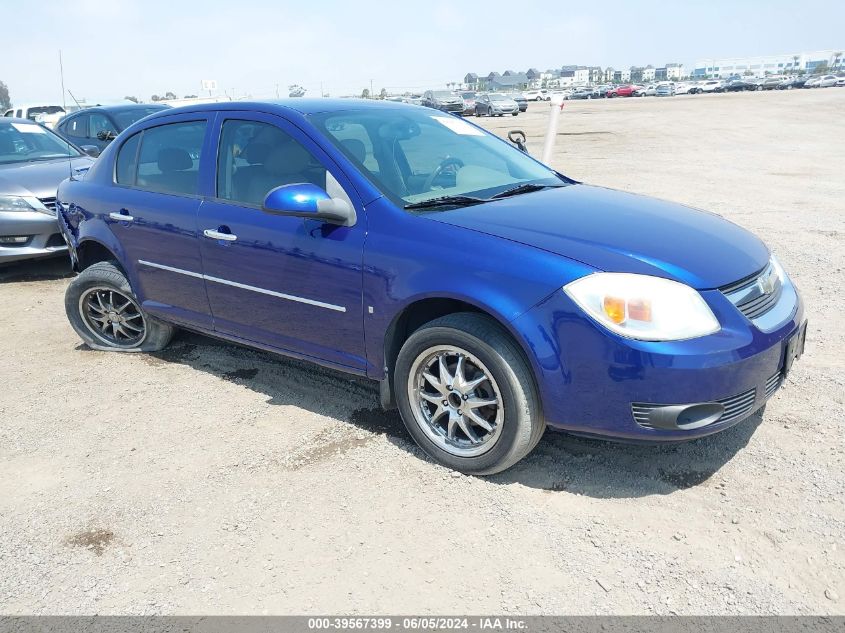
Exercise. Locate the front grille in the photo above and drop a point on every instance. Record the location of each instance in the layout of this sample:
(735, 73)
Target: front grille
(755, 295)
(773, 383)
(50, 203)
(735, 407)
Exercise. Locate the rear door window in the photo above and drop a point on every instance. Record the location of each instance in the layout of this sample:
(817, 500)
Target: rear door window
(77, 127)
(169, 158)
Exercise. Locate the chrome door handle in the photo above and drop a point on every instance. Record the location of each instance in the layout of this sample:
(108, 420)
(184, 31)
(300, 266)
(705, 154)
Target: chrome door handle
(121, 217)
(217, 235)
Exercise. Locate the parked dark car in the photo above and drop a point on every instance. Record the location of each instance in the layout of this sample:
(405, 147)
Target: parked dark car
(33, 161)
(99, 125)
(739, 85)
(792, 83)
(482, 290)
(520, 99)
(585, 93)
(443, 100)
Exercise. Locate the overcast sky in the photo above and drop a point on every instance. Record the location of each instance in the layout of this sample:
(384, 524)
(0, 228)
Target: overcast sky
(113, 48)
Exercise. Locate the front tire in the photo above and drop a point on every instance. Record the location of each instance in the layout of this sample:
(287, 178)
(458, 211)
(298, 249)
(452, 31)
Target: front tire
(467, 396)
(107, 315)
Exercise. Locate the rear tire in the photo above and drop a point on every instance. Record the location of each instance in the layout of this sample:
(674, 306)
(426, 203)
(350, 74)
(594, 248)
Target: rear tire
(492, 370)
(107, 315)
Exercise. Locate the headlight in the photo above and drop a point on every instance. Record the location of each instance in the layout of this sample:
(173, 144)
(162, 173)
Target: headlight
(21, 203)
(643, 307)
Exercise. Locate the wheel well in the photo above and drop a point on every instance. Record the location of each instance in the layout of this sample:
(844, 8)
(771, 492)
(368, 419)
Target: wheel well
(90, 252)
(406, 323)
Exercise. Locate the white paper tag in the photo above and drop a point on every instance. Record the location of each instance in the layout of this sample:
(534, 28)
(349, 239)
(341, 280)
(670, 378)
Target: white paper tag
(458, 126)
(29, 128)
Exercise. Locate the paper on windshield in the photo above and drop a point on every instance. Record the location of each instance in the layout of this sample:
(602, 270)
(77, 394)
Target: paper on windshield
(29, 128)
(458, 126)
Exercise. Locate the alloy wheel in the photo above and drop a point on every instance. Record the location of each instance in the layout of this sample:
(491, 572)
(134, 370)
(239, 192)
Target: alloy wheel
(112, 317)
(455, 400)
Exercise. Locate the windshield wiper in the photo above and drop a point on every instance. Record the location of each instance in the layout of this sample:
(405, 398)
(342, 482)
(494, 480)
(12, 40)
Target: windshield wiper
(446, 201)
(525, 187)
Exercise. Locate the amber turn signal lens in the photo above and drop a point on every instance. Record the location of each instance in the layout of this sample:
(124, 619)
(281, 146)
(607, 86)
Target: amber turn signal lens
(614, 308)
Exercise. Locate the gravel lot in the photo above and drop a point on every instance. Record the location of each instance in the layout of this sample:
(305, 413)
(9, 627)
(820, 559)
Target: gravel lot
(216, 479)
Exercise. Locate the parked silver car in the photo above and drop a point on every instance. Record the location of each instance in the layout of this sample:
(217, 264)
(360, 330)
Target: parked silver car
(494, 104)
(33, 161)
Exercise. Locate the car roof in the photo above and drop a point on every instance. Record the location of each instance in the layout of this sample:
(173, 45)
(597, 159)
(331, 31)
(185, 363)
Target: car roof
(282, 106)
(123, 107)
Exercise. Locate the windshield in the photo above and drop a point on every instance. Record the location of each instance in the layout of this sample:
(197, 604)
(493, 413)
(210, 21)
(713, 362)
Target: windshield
(125, 118)
(31, 113)
(468, 95)
(443, 94)
(414, 155)
(27, 142)
(499, 98)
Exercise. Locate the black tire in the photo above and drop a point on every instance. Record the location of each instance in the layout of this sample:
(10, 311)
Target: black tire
(108, 276)
(523, 423)
(514, 113)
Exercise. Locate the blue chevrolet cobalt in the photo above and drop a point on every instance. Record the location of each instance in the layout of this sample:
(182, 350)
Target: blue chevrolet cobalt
(488, 295)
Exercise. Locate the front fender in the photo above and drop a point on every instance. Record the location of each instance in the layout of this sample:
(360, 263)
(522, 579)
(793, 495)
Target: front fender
(409, 258)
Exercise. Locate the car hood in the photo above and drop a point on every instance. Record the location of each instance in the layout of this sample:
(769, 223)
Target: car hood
(621, 232)
(40, 178)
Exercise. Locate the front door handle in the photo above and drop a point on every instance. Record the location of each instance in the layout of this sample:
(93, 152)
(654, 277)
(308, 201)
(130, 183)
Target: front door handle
(123, 216)
(217, 235)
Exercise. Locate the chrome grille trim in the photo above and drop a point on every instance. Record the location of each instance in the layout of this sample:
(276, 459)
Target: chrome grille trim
(773, 383)
(737, 406)
(50, 203)
(754, 296)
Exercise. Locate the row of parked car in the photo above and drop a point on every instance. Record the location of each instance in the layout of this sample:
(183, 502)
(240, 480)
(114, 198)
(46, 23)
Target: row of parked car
(469, 102)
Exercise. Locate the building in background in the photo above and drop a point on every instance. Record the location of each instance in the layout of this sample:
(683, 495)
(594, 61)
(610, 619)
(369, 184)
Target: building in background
(805, 62)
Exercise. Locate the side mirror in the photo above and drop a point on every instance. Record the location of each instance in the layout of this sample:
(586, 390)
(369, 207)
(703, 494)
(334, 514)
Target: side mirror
(92, 150)
(106, 135)
(304, 200)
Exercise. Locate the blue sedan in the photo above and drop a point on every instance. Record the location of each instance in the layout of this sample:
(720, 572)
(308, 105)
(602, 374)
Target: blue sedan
(488, 295)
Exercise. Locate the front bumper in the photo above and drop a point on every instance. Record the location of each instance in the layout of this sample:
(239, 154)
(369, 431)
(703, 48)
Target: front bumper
(594, 382)
(38, 234)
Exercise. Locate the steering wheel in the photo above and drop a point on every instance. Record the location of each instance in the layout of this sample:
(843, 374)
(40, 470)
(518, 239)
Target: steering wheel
(446, 162)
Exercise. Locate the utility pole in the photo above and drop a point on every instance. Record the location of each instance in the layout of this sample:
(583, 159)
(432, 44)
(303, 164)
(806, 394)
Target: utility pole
(371, 88)
(62, 75)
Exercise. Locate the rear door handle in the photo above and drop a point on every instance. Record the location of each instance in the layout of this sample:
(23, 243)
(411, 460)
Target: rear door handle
(123, 216)
(217, 235)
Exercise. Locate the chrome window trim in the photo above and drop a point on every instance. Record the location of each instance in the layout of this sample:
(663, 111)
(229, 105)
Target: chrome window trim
(235, 284)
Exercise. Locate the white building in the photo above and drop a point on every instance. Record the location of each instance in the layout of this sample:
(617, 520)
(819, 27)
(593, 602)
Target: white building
(770, 65)
(648, 73)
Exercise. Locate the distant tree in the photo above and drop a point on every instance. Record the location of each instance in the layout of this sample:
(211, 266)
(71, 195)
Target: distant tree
(190, 96)
(383, 94)
(132, 99)
(169, 95)
(748, 73)
(155, 98)
(5, 100)
(821, 69)
(365, 93)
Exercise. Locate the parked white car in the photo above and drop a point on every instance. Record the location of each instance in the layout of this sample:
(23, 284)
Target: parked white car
(827, 81)
(711, 85)
(682, 88)
(47, 115)
(537, 95)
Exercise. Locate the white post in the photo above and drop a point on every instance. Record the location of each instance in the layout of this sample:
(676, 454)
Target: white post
(555, 108)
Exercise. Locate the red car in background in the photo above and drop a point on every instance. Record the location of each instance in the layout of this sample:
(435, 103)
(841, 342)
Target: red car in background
(622, 91)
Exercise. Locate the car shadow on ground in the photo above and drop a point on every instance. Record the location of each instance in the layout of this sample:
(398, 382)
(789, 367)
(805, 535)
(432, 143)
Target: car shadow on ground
(560, 462)
(36, 270)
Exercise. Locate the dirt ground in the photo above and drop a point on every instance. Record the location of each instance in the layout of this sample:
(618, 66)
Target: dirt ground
(215, 479)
